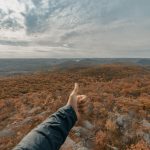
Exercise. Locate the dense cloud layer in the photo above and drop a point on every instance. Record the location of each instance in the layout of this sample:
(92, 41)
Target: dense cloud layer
(64, 28)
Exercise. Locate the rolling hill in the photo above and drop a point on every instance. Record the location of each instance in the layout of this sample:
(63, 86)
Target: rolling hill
(118, 105)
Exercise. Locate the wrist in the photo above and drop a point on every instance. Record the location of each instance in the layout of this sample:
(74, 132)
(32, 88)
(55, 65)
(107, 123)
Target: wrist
(73, 108)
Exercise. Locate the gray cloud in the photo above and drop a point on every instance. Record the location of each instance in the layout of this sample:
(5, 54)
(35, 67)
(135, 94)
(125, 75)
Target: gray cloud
(79, 27)
(14, 43)
(9, 22)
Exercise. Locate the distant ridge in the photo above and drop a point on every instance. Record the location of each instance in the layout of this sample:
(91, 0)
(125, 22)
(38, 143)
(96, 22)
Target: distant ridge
(21, 66)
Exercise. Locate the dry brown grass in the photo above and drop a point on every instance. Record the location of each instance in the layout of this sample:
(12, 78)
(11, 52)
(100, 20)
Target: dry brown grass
(111, 89)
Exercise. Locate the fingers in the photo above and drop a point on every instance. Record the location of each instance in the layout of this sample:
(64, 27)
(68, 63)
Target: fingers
(75, 90)
(82, 103)
(81, 97)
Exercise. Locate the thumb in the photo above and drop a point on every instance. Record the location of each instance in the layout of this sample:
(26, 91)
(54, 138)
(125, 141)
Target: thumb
(76, 89)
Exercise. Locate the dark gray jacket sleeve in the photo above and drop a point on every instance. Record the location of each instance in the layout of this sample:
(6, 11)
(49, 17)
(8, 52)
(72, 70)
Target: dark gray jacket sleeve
(50, 134)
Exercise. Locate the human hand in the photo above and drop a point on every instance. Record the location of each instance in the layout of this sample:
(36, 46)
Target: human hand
(78, 102)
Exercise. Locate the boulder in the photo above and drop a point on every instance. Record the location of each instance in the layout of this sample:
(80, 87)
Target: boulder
(146, 124)
(146, 137)
(88, 125)
(69, 144)
(123, 122)
(80, 131)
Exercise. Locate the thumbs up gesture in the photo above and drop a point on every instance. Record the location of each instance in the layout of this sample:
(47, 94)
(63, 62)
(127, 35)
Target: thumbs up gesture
(78, 102)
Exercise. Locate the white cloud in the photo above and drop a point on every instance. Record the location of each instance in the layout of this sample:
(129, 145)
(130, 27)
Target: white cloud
(13, 5)
(64, 28)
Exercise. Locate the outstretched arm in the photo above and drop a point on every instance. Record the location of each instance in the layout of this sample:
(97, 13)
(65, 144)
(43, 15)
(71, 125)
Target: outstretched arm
(51, 134)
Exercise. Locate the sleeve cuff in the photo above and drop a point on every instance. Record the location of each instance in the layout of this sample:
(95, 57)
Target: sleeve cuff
(70, 111)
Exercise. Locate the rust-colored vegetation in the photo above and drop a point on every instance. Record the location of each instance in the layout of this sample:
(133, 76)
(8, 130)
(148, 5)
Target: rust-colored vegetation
(119, 105)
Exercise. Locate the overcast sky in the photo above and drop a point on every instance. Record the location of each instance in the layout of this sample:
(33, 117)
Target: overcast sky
(74, 28)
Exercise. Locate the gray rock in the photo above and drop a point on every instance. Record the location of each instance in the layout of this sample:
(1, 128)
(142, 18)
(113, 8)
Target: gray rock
(82, 148)
(6, 133)
(146, 137)
(112, 147)
(88, 125)
(80, 131)
(69, 143)
(78, 134)
(79, 145)
(123, 122)
(145, 123)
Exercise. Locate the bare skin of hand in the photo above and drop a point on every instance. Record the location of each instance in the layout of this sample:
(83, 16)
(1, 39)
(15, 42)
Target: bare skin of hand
(78, 102)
